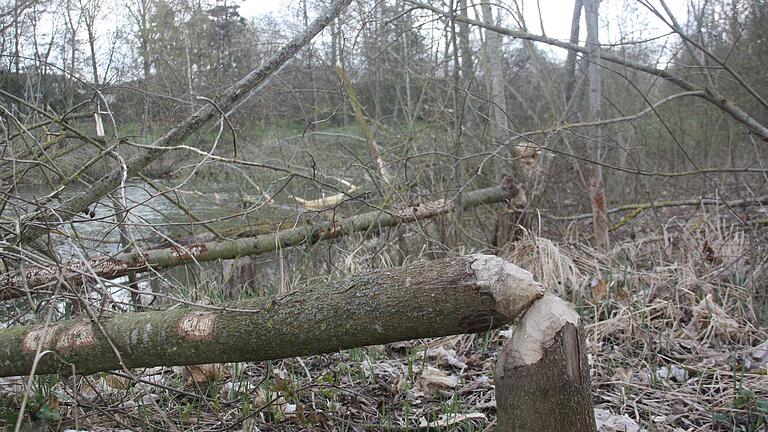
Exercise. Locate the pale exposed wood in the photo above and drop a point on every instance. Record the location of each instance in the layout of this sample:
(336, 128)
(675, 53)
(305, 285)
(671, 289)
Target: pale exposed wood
(542, 376)
(330, 201)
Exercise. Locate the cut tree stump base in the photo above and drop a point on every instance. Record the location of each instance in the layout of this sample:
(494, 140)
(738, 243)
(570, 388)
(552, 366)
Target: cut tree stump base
(542, 376)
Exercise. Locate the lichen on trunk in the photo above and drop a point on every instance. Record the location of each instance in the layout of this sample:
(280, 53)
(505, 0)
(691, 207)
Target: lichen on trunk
(429, 299)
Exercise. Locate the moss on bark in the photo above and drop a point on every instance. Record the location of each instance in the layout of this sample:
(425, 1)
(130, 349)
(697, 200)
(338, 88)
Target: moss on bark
(430, 299)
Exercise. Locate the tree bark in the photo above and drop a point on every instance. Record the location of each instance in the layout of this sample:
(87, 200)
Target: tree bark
(429, 299)
(493, 53)
(13, 285)
(89, 13)
(467, 69)
(507, 222)
(373, 147)
(542, 376)
(139, 11)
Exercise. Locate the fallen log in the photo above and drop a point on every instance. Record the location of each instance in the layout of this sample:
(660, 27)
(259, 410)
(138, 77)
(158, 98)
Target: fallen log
(17, 284)
(450, 296)
(696, 202)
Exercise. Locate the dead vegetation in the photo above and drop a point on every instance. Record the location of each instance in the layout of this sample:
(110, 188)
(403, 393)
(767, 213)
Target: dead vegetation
(676, 342)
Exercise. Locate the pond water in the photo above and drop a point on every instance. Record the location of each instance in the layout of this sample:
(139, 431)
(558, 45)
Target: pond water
(151, 215)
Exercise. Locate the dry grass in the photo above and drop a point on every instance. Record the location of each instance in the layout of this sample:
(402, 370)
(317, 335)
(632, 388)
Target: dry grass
(678, 338)
(676, 332)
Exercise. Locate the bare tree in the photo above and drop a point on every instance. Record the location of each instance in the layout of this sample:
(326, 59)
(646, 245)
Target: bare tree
(495, 78)
(595, 171)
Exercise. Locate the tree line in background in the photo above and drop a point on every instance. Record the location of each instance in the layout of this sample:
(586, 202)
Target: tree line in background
(151, 61)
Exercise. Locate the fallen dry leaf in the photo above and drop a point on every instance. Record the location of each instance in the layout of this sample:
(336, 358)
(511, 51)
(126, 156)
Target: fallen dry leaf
(609, 422)
(708, 313)
(203, 373)
(117, 382)
(599, 289)
(446, 357)
(481, 382)
(433, 379)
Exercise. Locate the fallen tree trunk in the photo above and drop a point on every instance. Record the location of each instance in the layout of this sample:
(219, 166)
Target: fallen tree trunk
(429, 299)
(698, 202)
(542, 376)
(13, 285)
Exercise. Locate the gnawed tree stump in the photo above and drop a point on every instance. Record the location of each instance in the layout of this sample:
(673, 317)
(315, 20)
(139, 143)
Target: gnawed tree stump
(542, 376)
(450, 296)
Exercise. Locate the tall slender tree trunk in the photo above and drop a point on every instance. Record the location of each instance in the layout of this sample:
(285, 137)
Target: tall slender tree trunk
(89, 28)
(146, 63)
(89, 11)
(190, 85)
(595, 184)
(507, 223)
(312, 118)
(16, 38)
(467, 69)
(73, 55)
(570, 61)
(495, 74)
(451, 235)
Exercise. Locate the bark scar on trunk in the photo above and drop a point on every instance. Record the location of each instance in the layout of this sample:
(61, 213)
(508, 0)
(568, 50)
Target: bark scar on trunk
(78, 336)
(197, 326)
(190, 251)
(39, 336)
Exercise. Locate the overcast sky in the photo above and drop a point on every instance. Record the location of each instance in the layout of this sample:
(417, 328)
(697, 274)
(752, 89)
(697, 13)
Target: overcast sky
(621, 20)
(625, 19)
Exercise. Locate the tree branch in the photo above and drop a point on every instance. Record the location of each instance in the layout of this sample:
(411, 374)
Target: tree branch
(707, 93)
(13, 285)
